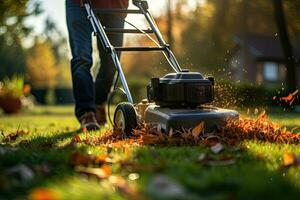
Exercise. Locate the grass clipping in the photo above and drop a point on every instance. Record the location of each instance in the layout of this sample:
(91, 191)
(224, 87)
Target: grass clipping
(234, 130)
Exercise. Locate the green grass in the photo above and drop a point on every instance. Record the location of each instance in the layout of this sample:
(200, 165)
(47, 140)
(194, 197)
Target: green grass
(256, 174)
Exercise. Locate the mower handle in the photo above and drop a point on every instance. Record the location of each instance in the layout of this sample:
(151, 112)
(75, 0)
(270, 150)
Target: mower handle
(144, 3)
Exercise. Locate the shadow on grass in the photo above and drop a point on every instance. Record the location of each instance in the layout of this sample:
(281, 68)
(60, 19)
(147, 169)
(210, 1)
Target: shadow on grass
(41, 155)
(249, 178)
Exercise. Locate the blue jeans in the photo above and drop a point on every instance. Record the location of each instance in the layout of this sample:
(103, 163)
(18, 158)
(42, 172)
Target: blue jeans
(87, 93)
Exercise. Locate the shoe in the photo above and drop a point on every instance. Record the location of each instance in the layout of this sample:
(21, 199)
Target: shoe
(88, 122)
(101, 115)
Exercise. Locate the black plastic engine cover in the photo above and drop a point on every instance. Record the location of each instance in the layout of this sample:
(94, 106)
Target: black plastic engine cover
(181, 89)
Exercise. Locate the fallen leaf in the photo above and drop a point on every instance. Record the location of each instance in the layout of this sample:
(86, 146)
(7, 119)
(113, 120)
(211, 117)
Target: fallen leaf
(23, 172)
(198, 130)
(103, 159)
(79, 159)
(288, 159)
(290, 98)
(234, 131)
(204, 157)
(171, 132)
(100, 173)
(76, 159)
(14, 136)
(43, 194)
(26, 89)
(133, 176)
(211, 161)
(124, 188)
(211, 140)
(76, 139)
(217, 148)
(263, 116)
(164, 188)
(107, 170)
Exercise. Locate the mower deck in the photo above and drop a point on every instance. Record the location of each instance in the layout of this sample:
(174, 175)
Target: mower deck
(167, 118)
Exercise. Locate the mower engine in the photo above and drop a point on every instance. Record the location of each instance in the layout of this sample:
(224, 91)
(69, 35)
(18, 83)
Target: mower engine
(181, 90)
(177, 100)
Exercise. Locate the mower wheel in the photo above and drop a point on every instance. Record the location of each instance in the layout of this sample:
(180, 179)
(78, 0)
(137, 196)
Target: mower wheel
(125, 118)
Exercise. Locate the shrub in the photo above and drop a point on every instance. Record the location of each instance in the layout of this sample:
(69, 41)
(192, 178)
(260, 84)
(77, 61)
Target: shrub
(12, 88)
(246, 95)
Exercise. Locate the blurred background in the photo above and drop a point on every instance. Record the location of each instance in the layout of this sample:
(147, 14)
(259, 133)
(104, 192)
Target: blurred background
(251, 47)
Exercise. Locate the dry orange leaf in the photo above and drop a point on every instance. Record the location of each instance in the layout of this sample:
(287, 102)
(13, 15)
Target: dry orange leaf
(76, 139)
(233, 131)
(198, 130)
(124, 188)
(263, 116)
(84, 130)
(43, 194)
(288, 159)
(26, 89)
(100, 173)
(106, 170)
(76, 159)
(14, 135)
(217, 148)
(291, 97)
(102, 159)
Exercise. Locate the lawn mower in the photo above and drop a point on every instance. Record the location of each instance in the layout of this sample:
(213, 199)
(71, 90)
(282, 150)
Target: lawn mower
(176, 101)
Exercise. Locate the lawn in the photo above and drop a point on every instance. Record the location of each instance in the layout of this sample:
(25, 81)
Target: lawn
(40, 162)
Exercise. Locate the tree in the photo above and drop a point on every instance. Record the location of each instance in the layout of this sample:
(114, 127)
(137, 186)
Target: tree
(12, 59)
(41, 69)
(58, 45)
(12, 30)
(286, 44)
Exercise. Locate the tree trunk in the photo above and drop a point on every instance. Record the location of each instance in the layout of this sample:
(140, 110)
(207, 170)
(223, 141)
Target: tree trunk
(219, 24)
(246, 55)
(286, 45)
(170, 24)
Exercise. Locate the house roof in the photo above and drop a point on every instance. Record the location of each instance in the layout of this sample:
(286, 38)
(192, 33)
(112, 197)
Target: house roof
(266, 47)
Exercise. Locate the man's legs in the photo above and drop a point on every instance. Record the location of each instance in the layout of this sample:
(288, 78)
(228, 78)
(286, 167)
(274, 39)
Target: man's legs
(107, 70)
(80, 31)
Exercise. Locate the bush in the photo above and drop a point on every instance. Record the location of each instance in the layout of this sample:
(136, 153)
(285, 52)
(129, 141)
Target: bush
(12, 88)
(64, 96)
(246, 95)
(138, 88)
(40, 94)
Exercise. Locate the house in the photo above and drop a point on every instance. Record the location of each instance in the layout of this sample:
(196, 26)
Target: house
(260, 59)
